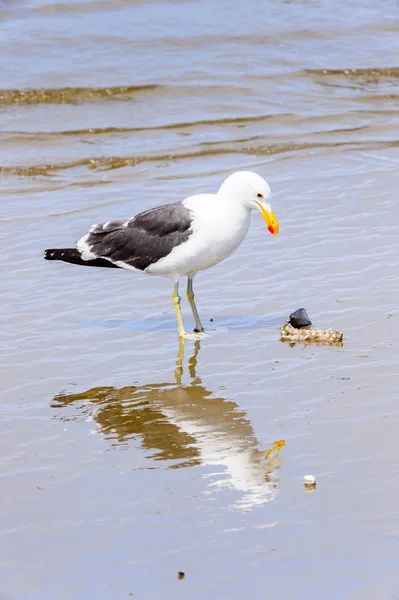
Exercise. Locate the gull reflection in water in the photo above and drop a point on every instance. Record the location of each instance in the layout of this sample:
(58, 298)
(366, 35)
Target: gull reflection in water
(185, 424)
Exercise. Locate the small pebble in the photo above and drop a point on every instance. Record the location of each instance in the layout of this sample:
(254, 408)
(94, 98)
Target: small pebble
(180, 575)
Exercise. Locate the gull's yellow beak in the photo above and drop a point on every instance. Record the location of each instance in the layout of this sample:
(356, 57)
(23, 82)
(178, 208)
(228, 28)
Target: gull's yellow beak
(271, 221)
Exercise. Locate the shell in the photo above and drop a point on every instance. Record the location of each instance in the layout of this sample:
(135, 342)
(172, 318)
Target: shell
(309, 480)
(288, 333)
(299, 319)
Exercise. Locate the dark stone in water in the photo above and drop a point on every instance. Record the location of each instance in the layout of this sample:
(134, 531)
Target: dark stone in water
(299, 319)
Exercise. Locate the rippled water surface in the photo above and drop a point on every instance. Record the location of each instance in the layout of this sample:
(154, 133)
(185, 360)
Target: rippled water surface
(124, 458)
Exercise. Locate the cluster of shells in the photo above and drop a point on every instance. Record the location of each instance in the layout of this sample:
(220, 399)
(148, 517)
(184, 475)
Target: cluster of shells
(327, 336)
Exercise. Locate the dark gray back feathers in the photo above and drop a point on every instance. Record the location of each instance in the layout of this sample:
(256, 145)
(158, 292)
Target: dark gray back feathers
(145, 239)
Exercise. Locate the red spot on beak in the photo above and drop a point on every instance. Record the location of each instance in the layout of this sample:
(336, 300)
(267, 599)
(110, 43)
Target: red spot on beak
(270, 228)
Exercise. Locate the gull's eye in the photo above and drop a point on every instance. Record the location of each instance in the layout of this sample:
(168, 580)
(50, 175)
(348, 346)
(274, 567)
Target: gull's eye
(260, 195)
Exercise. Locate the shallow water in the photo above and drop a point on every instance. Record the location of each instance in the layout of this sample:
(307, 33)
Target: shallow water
(124, 458)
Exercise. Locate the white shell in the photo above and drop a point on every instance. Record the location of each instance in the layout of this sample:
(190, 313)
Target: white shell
(309, 480)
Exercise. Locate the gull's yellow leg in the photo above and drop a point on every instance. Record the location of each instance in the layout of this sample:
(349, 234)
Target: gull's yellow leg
(190, 296)
(176, 302)
(182, 333)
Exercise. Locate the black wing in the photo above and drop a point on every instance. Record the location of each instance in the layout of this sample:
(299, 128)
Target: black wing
(143, 240)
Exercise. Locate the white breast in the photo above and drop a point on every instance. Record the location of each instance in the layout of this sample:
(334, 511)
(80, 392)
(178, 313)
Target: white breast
(218, 228)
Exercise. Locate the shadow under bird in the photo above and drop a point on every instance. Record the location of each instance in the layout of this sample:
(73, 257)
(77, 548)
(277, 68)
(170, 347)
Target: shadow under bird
(179, 239)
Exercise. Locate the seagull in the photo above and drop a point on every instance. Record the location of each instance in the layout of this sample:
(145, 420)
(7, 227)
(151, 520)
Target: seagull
(179, 239)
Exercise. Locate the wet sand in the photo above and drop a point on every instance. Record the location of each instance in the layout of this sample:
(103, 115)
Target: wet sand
(124, 458)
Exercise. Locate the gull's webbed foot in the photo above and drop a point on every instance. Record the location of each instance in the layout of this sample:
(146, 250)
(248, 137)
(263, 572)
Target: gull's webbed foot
(197, 335)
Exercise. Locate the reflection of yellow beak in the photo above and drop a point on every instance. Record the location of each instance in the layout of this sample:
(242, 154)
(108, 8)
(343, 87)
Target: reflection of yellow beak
(271, 221)
(275, 449)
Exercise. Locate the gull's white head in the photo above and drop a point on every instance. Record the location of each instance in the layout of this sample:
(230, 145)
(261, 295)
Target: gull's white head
(252, 191)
